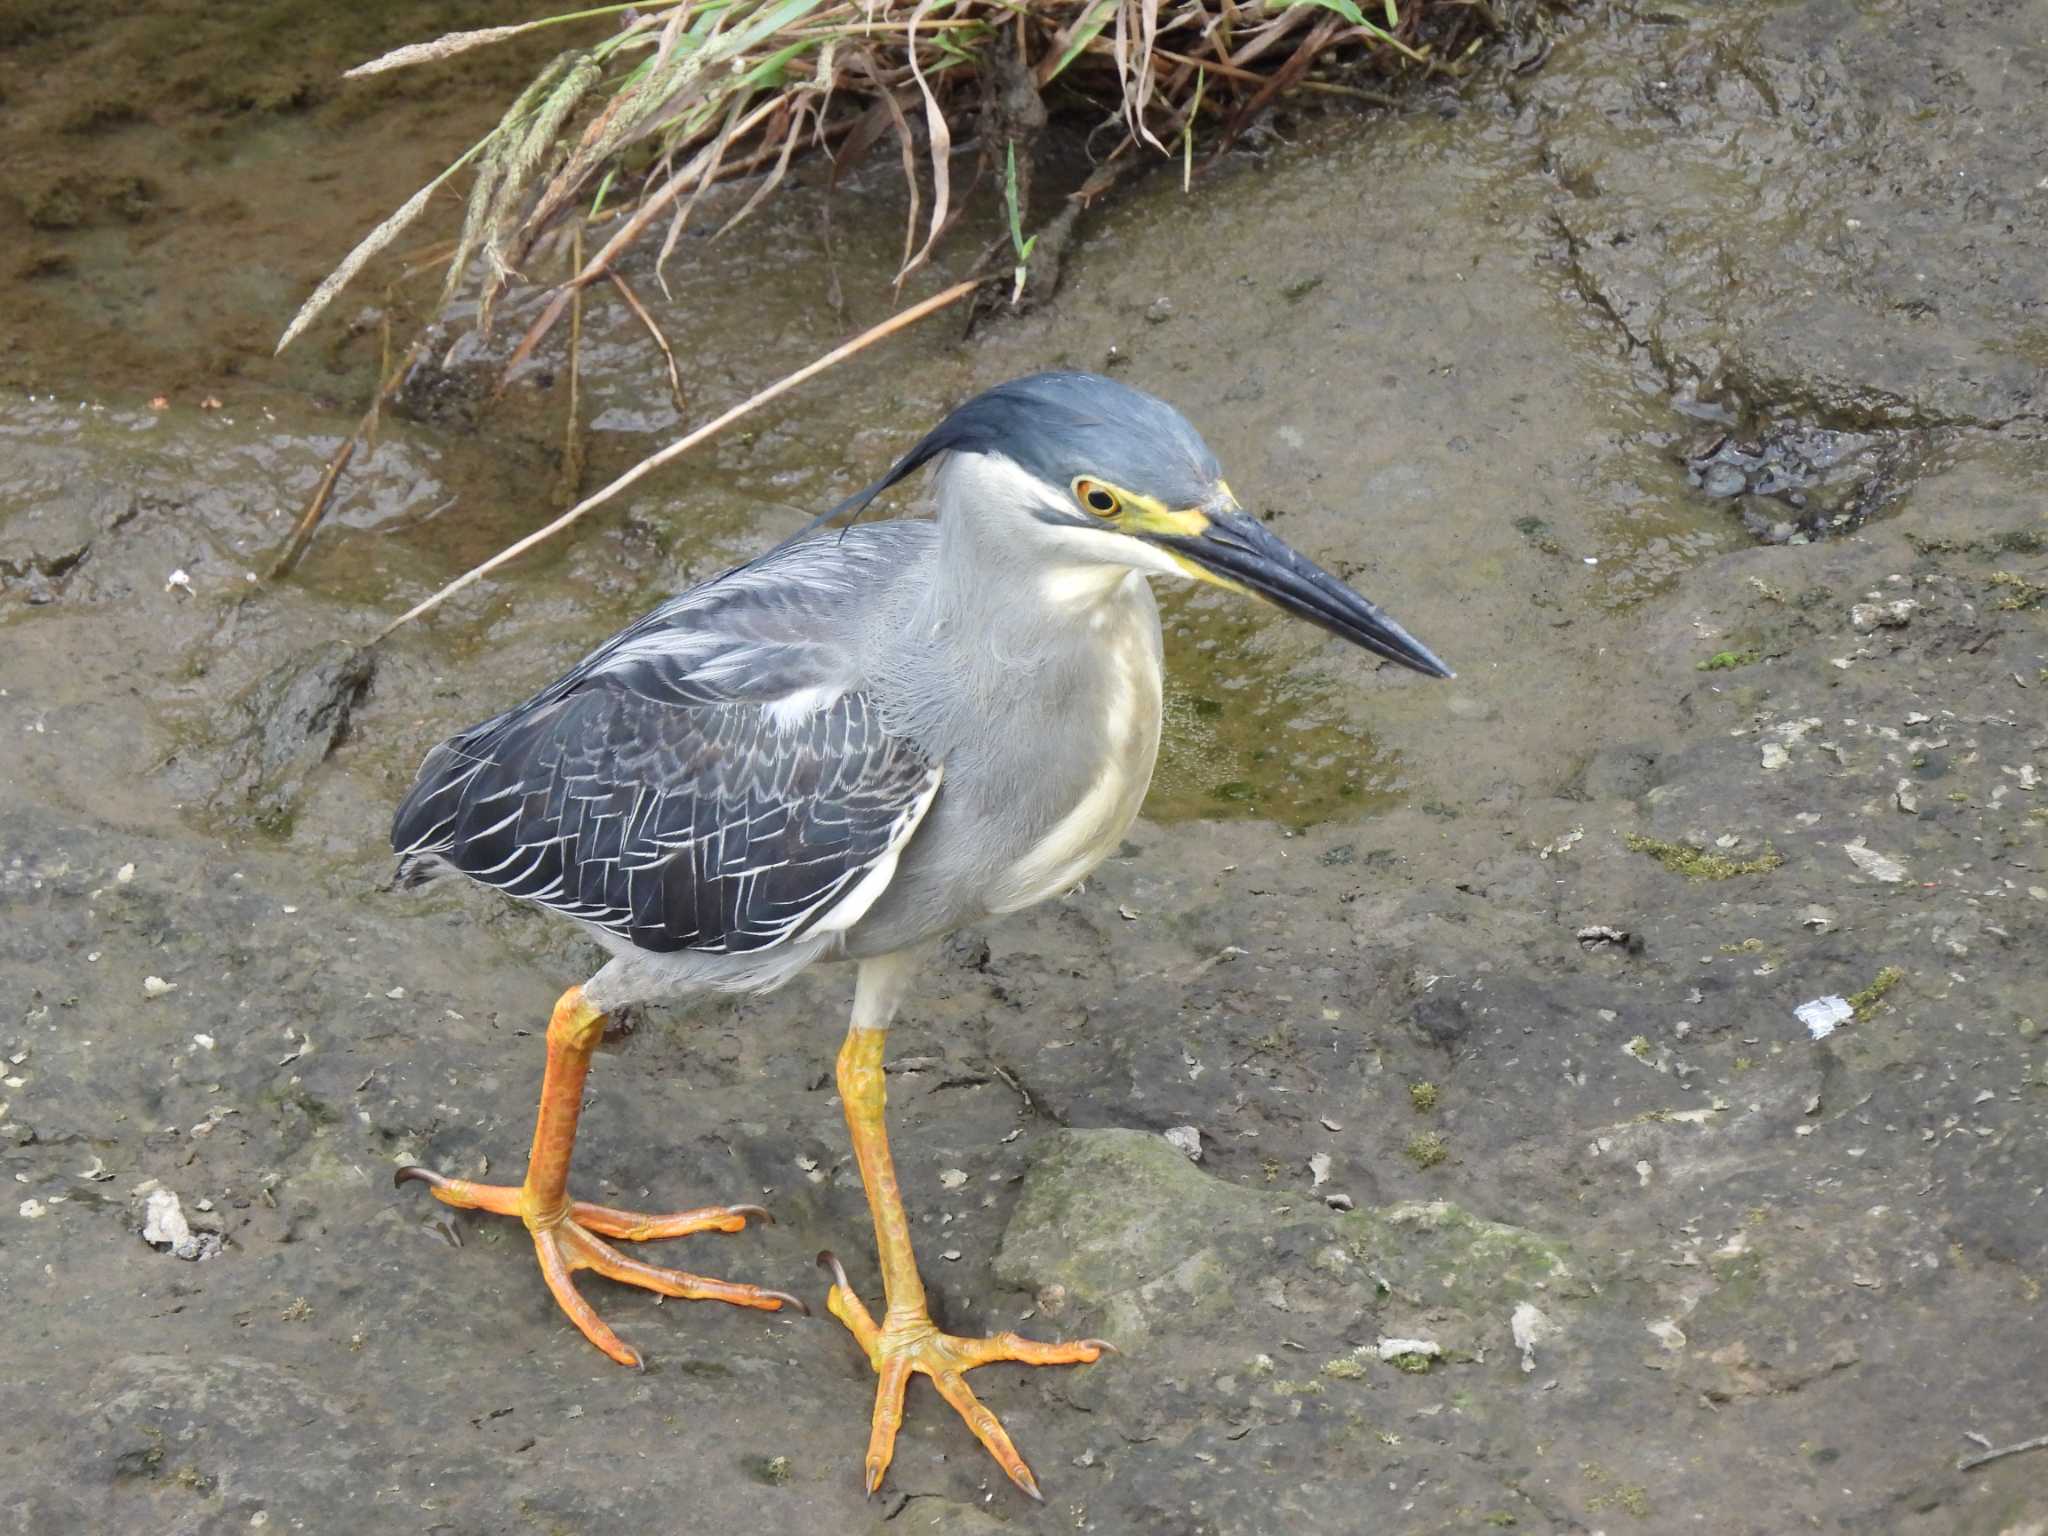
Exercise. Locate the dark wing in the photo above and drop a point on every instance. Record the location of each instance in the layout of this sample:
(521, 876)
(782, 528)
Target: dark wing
(693, 785)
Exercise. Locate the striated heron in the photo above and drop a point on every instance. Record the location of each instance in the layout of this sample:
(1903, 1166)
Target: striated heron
(845, 750)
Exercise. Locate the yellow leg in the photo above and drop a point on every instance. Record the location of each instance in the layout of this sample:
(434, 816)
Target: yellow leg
(906, 1342)
(567, 1234)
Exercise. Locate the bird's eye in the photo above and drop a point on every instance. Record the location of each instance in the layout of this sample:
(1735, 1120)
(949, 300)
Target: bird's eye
(1099, 499)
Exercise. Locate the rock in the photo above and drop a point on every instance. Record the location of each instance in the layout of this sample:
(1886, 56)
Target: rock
(1529, 1327)
(277, 733)
(1867, 617)
(165, 1228)
(1394, 1349)
(1137, 1234)
(1126, 1224)
(1187, 1139)
(1874, 864)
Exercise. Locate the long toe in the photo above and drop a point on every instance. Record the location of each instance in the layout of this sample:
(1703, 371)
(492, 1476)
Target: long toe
(573, 1242)
(463, 1194)
(902, 1347)
(635, 1227)
(558, 1268)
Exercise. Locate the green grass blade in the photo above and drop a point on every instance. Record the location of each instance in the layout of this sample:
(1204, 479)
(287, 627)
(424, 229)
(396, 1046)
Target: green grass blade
(1085, 32)
(1349, 10)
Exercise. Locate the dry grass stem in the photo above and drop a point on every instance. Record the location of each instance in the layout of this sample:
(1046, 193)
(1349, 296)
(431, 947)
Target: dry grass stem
(675, 377)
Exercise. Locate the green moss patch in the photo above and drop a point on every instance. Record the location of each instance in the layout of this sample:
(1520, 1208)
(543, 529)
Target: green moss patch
(1698, 863)
(1866, 1002)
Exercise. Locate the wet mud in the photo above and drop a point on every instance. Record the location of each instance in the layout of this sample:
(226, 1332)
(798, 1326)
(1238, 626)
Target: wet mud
(1477, 1001)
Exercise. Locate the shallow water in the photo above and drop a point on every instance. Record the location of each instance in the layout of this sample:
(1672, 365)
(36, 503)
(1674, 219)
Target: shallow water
(1373, 417)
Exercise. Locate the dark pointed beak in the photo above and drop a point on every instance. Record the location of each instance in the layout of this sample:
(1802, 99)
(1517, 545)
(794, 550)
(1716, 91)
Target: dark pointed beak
(1236, 550)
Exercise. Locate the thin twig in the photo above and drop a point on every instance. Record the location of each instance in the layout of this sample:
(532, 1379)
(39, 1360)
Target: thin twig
(316, 504)
(683, 445)
(675, 377)
(316, 507)
(1287, 74)
(570, 481)
(1969, 1463)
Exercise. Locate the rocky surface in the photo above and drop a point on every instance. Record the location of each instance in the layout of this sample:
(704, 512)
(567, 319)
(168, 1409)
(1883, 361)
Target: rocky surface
(1479, 1002)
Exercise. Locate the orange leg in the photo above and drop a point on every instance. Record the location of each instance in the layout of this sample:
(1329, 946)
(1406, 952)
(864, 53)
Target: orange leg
(567, 1234)
(906, 1342)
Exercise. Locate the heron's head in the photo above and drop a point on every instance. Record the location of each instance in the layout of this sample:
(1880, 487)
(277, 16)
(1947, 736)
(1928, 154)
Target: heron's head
(1108, 475)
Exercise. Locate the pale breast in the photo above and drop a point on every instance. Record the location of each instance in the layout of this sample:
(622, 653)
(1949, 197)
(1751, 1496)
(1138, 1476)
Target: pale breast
(1127, 745)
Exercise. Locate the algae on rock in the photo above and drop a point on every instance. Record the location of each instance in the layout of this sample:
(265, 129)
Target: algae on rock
(1135, 1232)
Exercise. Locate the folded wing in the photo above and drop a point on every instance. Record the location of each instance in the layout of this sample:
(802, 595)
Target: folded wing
(711, 779)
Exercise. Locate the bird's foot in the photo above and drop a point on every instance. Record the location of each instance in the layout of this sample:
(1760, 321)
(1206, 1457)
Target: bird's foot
(572, 1238)
(901, 1346)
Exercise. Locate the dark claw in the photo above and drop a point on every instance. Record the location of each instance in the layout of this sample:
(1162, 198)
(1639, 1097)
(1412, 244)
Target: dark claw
(758, 1212)
(1029, 1485)
(787, 1300)
(1104, 1345)
(403, 1176)
(829, 1262)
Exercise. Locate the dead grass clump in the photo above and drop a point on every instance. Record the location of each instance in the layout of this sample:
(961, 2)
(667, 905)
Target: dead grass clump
(624, 135)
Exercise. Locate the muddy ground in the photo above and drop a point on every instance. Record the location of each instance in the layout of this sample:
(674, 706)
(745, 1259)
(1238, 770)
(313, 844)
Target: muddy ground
(1684, 390)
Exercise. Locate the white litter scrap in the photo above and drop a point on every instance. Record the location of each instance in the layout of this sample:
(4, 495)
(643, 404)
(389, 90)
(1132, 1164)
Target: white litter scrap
(1319, 1170)
(1823, 1015)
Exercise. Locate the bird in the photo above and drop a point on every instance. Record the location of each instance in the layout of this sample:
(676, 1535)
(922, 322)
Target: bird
(843, 751)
